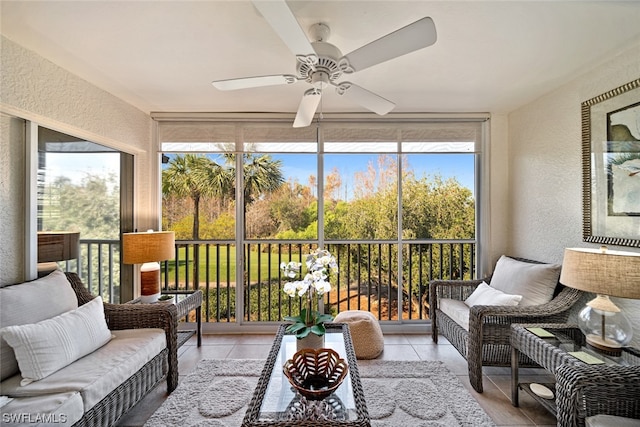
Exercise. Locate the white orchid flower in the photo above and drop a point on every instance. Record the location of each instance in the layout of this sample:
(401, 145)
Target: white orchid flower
(290, 289)
(302, 287)
(322, 287)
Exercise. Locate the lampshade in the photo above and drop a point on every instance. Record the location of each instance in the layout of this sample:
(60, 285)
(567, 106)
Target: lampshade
(602, 271)
(54, 246)
(150, 246)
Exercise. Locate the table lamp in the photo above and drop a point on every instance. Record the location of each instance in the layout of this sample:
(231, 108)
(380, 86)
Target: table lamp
(54, 246)
(605, 273)
(147, 249)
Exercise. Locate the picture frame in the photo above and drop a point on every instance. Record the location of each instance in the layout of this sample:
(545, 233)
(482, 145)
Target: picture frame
(611, 166)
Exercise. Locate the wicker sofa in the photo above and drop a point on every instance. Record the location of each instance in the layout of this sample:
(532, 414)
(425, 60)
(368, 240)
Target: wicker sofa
(99, 387)
(485, 341)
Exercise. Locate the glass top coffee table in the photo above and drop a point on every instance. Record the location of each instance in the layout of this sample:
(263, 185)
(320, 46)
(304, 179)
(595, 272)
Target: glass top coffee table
(275, 402)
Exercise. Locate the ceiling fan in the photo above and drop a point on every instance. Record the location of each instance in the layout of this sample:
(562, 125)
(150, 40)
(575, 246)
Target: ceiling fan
(321, 64)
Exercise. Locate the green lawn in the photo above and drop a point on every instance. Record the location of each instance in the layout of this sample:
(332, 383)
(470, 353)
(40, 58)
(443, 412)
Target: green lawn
(225, 263)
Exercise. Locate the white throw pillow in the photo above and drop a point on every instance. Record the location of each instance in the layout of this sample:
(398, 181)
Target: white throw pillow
(32, 302)
(486, 295)
(535, 282)
(43, 348)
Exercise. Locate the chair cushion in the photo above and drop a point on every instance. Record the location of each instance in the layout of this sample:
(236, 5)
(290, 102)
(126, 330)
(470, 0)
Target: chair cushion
(97, 374)
(457, 310)
(366, 334)
(31, 302)
(535, 282)
(44, 347)
(486, 295)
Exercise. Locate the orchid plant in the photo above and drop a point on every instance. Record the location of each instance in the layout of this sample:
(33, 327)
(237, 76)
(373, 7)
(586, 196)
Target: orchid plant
(320, 263)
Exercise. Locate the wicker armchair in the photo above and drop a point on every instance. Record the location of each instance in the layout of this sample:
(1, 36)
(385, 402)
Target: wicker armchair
(487, 342)
(130, 316)
(587, 390)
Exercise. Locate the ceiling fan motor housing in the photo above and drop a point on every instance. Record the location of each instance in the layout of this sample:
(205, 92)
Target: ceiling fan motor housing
(327, 64)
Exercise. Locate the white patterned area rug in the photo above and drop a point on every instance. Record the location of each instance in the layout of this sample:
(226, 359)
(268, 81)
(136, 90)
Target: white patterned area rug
(398, 394)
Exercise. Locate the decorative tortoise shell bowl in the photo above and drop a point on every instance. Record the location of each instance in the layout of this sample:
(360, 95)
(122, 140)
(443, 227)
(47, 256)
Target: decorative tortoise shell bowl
(315, 374)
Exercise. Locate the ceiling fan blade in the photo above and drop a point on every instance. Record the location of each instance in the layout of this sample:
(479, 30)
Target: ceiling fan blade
(418, 35)
(248, 82)
(282, 20)
(365, 98)
(307, 108)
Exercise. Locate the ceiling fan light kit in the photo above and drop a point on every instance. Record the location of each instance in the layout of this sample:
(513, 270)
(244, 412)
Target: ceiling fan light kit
(321, 64)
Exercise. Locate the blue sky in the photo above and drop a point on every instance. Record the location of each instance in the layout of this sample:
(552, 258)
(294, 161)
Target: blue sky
(460, 166)
(295, 166)
(300, 166)
(77, 166)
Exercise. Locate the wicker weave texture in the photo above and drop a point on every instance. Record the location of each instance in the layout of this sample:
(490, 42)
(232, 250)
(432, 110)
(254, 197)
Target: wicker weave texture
(487, 343)
(583, 390)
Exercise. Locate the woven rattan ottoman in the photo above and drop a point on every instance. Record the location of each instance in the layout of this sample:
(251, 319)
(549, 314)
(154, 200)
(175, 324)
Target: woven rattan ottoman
(366, 334)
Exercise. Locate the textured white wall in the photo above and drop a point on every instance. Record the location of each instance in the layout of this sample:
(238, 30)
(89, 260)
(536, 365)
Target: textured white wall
(545, 163)
(12, 181)
(545, 169)
(36, 89)
(500, 226)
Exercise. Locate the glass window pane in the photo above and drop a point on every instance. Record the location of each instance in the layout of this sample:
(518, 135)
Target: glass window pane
(198, 193)
(78, 186)
(438, 196)
(360, 196)
(281, 196)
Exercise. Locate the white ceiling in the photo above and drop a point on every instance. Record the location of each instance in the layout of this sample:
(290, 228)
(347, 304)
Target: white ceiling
(163, 55)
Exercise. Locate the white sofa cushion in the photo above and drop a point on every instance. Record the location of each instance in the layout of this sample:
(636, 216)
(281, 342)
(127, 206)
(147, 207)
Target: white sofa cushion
(97, 374)
(535, 282)
(486, 295)
(60, 409)
(43, 348)
(31, 302)
(457, 310)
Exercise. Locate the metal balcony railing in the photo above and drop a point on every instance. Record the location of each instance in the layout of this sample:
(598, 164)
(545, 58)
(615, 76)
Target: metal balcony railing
(385, 278)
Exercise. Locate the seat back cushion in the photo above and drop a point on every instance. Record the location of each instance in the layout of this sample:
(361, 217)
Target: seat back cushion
(43, 348)
(535, 282)
(31, 302)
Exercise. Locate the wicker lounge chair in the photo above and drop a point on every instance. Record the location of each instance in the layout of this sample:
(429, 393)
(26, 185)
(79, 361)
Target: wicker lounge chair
(487, 342)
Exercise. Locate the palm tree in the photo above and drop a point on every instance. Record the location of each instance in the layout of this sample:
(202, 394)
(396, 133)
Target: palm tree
(196, 176)
(261, 174)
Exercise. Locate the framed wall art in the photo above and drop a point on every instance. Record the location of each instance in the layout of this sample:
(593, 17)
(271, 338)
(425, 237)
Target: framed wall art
(611, 166)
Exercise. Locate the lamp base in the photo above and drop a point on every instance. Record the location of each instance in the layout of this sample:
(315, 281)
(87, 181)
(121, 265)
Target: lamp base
(148, 299)
(45, 268)
(149, 282)
(605, 345)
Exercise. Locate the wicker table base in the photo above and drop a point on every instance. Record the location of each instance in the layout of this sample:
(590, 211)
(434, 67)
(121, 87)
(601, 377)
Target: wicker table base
(581, 389)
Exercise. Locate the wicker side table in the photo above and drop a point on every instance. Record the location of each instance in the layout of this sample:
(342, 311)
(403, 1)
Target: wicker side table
(185, 301)
(581, 389)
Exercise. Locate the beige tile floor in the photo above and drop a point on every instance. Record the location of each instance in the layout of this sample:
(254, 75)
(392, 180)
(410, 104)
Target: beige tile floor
(496, 399)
